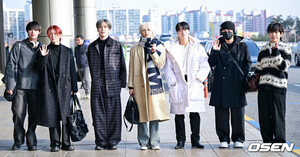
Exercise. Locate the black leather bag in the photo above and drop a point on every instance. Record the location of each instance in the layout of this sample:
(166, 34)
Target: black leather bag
(9, 97)
(131, 113)
(76, 124)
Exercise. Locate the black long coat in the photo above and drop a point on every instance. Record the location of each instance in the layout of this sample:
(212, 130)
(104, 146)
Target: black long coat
(227, 88)
(54, 100)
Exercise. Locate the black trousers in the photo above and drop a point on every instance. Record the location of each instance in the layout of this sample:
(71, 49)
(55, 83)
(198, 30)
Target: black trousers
(22, 99)
(237, 123)
(195, 127)
(271, 111)
(55, 134)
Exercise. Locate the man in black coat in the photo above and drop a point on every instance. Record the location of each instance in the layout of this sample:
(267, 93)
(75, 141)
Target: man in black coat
(57, 81)
(228, 94)
(21, 76)
(108, 71)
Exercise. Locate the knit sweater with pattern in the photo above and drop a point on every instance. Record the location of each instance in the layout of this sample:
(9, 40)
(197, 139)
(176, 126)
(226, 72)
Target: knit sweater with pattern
(272, 65)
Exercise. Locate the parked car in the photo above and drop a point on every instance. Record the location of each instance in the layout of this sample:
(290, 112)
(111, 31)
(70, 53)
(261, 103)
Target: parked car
(253, 50)
(165, 37)
(297, 55)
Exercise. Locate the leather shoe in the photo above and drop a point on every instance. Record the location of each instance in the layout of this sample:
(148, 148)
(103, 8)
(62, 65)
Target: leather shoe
(198, 145)
(179, 145)
(32, 148)
(112, 147)
(55, 149)
(99, 147)
(15, 147)
(68, 148)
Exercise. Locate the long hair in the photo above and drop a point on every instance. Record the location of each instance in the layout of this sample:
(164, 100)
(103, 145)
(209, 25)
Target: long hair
(57, 30)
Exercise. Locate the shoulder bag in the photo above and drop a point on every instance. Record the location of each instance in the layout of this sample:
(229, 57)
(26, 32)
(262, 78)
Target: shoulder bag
(131, 113)
(249, 83)
(76, 124)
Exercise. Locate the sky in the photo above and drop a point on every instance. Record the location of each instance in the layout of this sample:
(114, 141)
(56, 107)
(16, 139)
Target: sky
(277, 7)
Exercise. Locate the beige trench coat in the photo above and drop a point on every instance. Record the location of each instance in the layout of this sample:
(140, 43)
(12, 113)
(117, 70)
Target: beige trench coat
(151, 107)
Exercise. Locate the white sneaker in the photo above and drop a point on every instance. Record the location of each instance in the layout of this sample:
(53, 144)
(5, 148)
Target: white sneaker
(238, 144)
(144, 148)
(223, 145)
(155, 148)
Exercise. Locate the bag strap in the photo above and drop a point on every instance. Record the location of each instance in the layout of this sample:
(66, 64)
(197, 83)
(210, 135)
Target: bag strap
(74, 103)
(127, 125)
(237, 65)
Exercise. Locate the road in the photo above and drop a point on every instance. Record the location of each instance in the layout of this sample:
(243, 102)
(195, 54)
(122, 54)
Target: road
(292, 105)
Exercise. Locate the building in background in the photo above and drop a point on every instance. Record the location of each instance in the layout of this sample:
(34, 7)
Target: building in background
(124, 21)
(28, 11)
(204, 23)
(14, 24)
(155, 19)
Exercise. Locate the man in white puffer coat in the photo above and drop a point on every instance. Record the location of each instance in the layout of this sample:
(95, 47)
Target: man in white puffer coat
(185, 70)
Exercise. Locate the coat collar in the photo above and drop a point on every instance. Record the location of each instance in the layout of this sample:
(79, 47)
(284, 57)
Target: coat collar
(109, 43)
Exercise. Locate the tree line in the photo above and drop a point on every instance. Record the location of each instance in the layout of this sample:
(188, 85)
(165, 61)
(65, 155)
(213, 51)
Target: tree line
(290, 24)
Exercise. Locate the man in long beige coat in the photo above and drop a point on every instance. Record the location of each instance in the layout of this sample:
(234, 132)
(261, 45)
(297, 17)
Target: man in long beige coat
(144, 81)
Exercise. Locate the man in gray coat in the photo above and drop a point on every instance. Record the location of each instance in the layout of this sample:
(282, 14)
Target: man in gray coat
(21, 77)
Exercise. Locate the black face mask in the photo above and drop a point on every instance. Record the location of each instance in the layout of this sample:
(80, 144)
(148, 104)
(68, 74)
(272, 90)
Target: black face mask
(227, 35)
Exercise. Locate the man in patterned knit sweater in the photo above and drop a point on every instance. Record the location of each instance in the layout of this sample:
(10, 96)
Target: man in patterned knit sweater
(273, 62)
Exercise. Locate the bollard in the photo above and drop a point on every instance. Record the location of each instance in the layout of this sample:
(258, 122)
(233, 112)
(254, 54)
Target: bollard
(205, 89)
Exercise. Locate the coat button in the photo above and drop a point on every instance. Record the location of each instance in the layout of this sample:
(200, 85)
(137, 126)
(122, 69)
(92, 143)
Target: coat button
(64, 75)
(65, 86)
(224, 67)
(223, 78)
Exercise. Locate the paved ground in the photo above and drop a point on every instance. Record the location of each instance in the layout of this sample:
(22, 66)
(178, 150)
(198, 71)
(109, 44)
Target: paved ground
(129, 147)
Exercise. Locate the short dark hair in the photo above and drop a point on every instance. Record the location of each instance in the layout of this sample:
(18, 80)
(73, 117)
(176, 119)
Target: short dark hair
(183, 24)
(99, 22)
(274, 27)
(80, 36)
(33, 25)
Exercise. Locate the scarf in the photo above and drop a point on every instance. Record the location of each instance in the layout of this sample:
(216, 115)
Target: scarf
(154, 77)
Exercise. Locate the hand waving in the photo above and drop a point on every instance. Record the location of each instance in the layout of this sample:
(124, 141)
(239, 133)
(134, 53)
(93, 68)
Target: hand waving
(44, 50)
(216, 45)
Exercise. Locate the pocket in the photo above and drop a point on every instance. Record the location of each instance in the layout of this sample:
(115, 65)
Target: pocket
(197, 91)
(175, 95)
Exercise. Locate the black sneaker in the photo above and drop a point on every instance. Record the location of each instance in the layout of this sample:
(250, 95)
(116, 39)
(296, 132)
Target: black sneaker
(32, 148)
(16, 147)
(55, 149)
(112, 147)
(68, 148)
(99, 147)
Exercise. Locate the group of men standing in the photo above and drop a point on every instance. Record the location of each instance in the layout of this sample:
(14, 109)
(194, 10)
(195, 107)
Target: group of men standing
(104, 61)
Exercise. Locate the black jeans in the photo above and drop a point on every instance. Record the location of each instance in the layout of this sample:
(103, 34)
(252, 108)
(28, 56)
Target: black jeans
(55, 134)
(271, 111)
(22, 99)
(237, 123)
(195, 127)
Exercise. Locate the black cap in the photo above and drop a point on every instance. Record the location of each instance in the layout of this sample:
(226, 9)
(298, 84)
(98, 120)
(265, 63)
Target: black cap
(227, 25)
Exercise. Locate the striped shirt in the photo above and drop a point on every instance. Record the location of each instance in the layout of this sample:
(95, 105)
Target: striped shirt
(273, 64)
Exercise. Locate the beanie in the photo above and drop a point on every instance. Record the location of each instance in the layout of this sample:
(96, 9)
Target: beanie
(227, 25)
